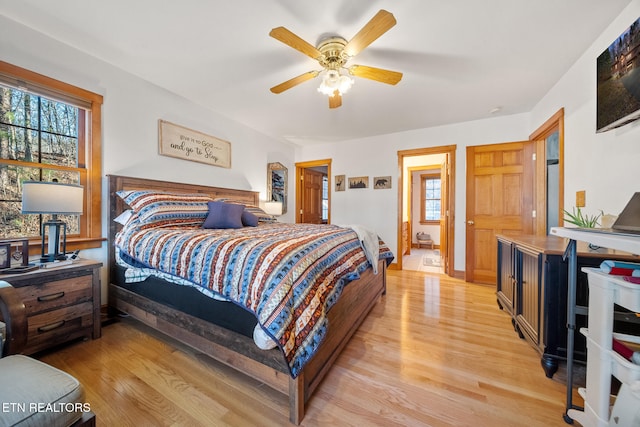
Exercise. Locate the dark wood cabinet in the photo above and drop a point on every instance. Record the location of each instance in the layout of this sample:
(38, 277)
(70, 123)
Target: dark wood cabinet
(532, 288)
(506, 276)
(528, 305)
(62, 303)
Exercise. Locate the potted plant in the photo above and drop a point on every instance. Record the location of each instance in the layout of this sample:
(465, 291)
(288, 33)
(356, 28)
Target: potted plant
(577, 217)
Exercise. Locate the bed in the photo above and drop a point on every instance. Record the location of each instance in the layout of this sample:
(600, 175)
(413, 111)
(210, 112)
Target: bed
(194, 318)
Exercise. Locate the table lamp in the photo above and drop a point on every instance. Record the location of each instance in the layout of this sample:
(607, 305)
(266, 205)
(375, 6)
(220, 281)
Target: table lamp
(56, 199)
(273, 208)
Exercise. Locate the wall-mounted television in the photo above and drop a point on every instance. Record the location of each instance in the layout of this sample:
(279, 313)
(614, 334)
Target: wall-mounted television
(618, 81)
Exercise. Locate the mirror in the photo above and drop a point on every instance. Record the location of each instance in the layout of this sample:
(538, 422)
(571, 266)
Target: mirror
(277, 184)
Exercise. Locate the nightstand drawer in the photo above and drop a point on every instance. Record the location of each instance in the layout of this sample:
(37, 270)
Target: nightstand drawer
(59, 325)
(59, 293)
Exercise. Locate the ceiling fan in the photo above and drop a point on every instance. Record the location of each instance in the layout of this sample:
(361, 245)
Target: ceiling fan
(333, 53)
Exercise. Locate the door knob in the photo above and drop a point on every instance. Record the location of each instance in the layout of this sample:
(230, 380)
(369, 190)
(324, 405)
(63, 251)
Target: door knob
(470, 222)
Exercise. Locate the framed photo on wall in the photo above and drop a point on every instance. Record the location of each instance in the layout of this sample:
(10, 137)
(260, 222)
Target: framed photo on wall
(340, 184)
(381, 182)
(358, 182)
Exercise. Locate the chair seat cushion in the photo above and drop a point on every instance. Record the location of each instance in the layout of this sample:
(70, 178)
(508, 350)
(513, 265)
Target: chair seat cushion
(33, 393)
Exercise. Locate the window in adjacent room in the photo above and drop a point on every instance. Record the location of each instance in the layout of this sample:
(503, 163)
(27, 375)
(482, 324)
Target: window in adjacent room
(325, 199)
(49, 131)
(429, 198)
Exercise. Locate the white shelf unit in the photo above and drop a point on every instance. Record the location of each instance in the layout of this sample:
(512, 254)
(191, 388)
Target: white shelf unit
(602, 362)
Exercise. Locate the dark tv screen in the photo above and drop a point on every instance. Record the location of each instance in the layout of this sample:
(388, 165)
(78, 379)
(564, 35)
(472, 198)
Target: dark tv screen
(618, 81)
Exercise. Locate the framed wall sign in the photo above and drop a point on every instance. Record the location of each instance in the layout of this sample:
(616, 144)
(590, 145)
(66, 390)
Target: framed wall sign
(187, 144)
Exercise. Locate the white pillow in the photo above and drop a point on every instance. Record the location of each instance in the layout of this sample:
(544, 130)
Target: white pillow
(124, 217)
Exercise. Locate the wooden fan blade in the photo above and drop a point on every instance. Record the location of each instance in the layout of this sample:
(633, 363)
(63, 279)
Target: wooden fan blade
(377, 26)
(294, 81)
(335, 101)
(292, 40)
(377, 74)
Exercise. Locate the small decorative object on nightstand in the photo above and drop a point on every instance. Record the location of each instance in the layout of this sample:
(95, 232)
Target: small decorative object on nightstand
(19, 251)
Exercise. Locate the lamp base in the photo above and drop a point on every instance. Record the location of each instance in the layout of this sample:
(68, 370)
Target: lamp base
(52, 258)
(57, 235)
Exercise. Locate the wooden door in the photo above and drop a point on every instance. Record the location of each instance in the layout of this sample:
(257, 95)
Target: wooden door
(444, 215)
(311, 196)
(500, 188)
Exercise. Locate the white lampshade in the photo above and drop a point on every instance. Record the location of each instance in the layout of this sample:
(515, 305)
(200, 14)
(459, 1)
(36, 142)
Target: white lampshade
(273, 208)
(51, 198)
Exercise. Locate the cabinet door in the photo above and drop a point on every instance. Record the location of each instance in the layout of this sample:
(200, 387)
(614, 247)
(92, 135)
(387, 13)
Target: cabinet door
(505, 291)
(528, 265)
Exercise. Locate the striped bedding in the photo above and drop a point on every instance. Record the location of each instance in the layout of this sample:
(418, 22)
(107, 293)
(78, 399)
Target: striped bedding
(287, 275)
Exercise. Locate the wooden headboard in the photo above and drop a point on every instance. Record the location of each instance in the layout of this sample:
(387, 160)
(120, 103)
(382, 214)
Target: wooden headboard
(117, 206)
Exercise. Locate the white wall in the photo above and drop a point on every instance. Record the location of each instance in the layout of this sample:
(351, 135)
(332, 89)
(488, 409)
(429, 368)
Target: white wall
(378, 156)
(131, 111)
(606, 164)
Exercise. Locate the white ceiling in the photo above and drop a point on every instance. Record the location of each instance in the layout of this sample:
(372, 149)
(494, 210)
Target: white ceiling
(460, 58)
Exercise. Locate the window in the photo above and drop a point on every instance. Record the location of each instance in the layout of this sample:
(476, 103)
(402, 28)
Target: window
(430, 198)
(48, 130)
(325, 198)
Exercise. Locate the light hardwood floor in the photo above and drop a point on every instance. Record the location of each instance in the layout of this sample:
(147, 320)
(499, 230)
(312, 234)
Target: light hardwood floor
(435, 351)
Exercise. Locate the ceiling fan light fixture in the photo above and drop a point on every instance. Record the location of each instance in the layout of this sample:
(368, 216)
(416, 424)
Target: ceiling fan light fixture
(333, 53)
(332, 80)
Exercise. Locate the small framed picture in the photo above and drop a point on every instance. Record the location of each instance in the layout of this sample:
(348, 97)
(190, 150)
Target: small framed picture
(5, 255)
(359, 182)
(381, 182)
(339, 180)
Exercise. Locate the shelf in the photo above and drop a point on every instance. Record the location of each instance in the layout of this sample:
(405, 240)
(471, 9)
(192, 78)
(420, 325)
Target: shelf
(605, 292)
(629, 244)
(624, 370)
(626, 294)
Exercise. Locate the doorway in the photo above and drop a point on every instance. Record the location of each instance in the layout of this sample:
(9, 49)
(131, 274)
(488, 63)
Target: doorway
(416, 167)
(549, 180)
(313, 198)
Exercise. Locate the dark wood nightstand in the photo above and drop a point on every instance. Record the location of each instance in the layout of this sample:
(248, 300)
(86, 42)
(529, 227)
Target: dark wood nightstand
(62, 302)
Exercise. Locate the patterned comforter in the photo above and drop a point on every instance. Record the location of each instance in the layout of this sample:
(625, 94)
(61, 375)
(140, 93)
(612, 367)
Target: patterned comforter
(288, 275)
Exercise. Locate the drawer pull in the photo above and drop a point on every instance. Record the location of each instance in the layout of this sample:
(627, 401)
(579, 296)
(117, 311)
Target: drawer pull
(51, 297)
(51, 327)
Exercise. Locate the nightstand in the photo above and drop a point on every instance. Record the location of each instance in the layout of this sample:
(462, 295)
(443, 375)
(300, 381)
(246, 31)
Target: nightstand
(63, 303)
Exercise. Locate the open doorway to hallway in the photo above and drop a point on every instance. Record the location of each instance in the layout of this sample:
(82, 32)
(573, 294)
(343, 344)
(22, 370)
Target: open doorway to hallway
(426, 209)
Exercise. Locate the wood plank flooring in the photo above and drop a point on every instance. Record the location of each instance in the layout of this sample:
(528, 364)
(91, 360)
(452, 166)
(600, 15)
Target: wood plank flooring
(434, 351)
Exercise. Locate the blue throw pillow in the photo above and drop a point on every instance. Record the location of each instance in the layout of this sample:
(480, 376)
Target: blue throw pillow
(249, 219)
(224, 215)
